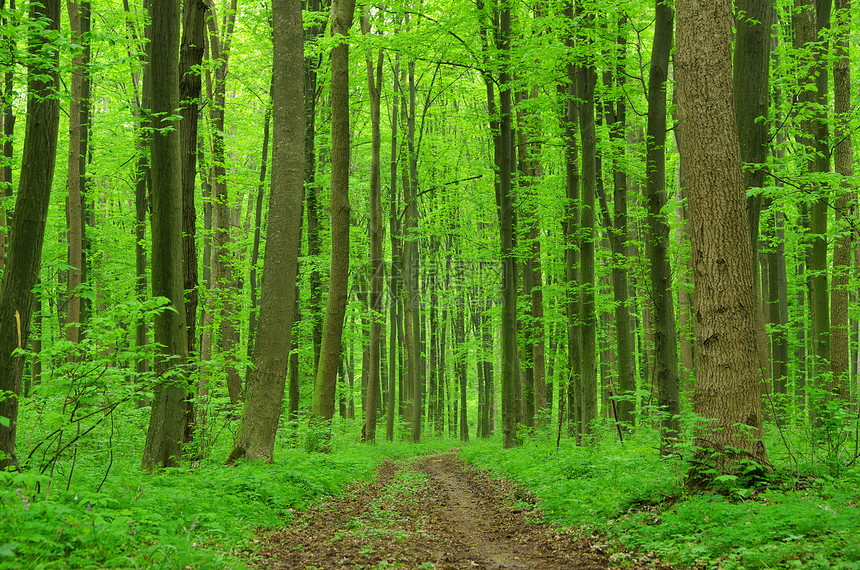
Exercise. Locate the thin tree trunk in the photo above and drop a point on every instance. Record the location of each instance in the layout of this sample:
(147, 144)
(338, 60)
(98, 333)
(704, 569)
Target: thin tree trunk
(76, 171)
(330, 351)
(508, 259)
(845, 207)
(7, 118)
(752, 97)
(665, 344)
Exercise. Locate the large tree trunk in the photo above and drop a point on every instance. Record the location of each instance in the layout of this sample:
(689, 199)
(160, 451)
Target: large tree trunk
(27, 232)
(727, 367)
(330, 352)
(264, 389)
(665, 343)
(166, 430)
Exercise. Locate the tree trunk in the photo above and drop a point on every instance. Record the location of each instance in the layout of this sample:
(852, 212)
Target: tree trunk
(7, 119)
(76, 173)
(27, 231)
(311, 65)
(330, 352)
(223, 281)
(752, 97)
(265, 385)
(163, 447)
(727, 367)
(665, 343)
(845, 207)
(508, 259)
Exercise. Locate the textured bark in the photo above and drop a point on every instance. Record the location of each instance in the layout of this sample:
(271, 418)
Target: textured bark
(27, 231)
(727, 368)
(845, 207)
(665, 370)
(326, 378)
(266, 383)
(166, 431)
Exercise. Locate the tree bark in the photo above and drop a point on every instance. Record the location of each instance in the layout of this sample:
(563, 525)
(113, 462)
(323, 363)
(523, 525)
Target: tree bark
(752, 96)
(76, 171)
(27, 231)
(508, 259)
(266, 383)
(7, 118)
(164, 437)
(330, 352)
(665, 371)
(845, 207)
(727, 368)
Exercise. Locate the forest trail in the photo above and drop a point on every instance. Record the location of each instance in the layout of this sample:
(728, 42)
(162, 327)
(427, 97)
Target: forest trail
(432, 511)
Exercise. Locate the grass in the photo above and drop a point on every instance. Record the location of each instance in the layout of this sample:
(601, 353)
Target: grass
(630, 494)
(197, 516)
(95, 508)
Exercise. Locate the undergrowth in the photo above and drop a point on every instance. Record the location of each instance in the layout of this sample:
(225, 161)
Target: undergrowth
(627, 492)
(201, 515)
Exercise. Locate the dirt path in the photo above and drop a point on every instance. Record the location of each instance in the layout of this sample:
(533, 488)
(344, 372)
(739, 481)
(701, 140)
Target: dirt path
(431, 512)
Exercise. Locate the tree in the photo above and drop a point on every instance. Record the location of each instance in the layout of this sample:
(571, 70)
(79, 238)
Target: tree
(374, 85)
(27, 232)
(752, 98)
(7, 119)
(264, 389)
(727, 366)
(223, 280)
(79, 21)
(845, 206)
(665, 334)
(166, 431)
(342, 12)
(506, 233)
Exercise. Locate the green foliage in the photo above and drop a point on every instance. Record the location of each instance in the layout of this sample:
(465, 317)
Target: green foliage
(629, 493)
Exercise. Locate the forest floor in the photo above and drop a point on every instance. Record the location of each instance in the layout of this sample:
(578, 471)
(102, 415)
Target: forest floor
(435, 511)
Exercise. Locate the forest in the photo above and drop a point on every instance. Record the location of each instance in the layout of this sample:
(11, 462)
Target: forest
(299, 284)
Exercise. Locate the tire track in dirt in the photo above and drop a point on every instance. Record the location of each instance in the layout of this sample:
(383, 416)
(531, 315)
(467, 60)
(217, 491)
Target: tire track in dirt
(433, 511)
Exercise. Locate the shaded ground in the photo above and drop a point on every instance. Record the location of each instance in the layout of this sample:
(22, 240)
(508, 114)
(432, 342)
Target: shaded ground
(433, 512)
